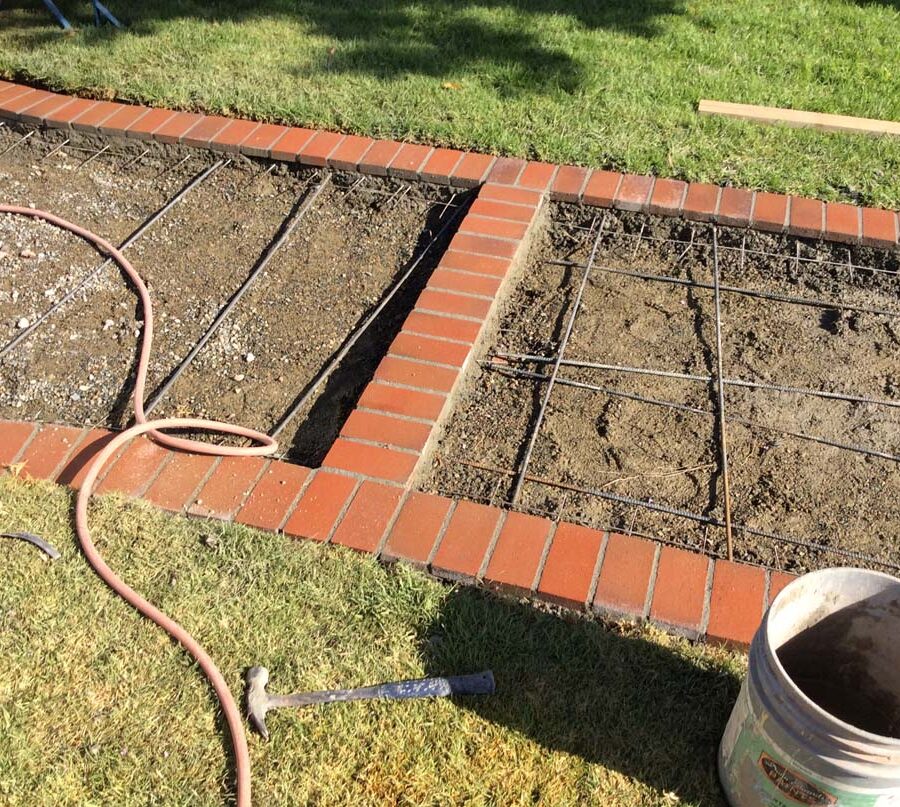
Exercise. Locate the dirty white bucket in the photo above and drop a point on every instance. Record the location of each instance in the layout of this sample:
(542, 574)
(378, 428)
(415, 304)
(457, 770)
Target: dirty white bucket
(817, 721)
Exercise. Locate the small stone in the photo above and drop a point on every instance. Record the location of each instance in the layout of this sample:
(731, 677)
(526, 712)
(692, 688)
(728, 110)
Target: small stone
(27, 253)
(23, 323)
(239, 377)
(249, 357)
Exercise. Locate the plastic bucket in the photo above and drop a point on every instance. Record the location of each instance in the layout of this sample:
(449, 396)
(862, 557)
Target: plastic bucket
(817, 721)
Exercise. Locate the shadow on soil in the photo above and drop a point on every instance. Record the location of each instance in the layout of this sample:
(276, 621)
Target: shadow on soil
(590, 690)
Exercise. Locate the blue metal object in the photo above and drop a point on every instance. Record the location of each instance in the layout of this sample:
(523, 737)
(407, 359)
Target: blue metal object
(101, 14)
(51, 7)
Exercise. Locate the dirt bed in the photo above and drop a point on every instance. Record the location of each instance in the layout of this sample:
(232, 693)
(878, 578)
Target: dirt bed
(594, 440)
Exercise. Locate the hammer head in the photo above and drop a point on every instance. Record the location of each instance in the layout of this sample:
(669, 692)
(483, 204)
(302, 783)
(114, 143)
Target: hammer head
(258, 699)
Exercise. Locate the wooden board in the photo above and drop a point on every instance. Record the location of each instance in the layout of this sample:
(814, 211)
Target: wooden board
(799, 118)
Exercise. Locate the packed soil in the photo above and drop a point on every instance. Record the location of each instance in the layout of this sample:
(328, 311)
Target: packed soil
(333, 269)
(594, 441)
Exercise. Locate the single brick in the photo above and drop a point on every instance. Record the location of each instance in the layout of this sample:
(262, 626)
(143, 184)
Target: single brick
(518, 552)
(482, 245)
(409, 160)
(777, 581)
(77, 465)
(372, 461)
(466, 540)
(378, 158)
(144, 127)
(537, 175)
(601, 188)
(471, 170)
(462, 330)
(409, 403)
(570, 565)
(568, 183)
(15, 104)
(62, 117)
(35, 114)
(205, 131)
(806, 217)
(842, 223)
(409, 373)
(178, 481)
(439, 166)
(117, 123)
(879, 227)
(349, 152)
(736, 603)
(451, 280)
(11, 93)
(320, 506)
(135, 468)
(13, 437)
(680, 590)
(770, 212)
(224, 491)
(446, 302)
(498, 228)
(260, 142)
(91, 119)
(233, 135)
(48, 450)
(175, 128)
(735, 207)
(512, 195)
(417, 527)
(387, 430)
(316, 147)
(368, 516)
(427, 349)
(625, 576)
(634, 192)
(668, 197)
(292, 146)
(477, 264)
(269, 502)
(506, 170)
(493, 208)
(701, 201)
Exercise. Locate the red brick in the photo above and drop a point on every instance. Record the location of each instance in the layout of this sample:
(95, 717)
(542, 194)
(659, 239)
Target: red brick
(175, 128)
(439, 166)
(735, 207)
(777, 581)
(118, 122)
(426, 349)
(466, 539)
(879, 227)
(13, 436)
(410, 373)
(634, 192)
(378, 158)
(806, 217)
(320, 506)
(680, 590)
(368, 516)
(10, 94)
(625, 575)
(601, 188)
(448, 303)
(135, 468)
(205, 130)
(268, 504)
(478, 264)
(483, 245)
(569, 182)
(409, 403)
(178, 481)
(387, 430)
(147, 124)
(842, 223)
(91, 119)
(770, 212)
(229, 483)
(537, 175)
(498, 228)
(417, 527)
(736, 603)
(505, 193)
(76, 466)
(349, 152)
(373, 461)
(408, 161)
(502, 210)
(233, 135)
(16, 103)
(48, 450)
(701, 201)
(266, 135)
(35, 114)
(462, 330)
(570, 565)
(506, 170)
(472, 170)
(464, 282)
(517, 555)
(62, 117)
(668, 197)
(291, 145)
(316, 147)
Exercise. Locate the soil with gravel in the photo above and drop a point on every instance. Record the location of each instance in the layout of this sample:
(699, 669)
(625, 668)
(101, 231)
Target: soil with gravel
(334, 268)
(592, 440)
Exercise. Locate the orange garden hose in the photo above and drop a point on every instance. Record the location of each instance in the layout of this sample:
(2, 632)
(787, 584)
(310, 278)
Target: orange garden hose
(156, 429)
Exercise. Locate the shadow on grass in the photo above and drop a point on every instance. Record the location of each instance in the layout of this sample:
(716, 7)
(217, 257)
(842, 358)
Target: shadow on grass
(602, 693)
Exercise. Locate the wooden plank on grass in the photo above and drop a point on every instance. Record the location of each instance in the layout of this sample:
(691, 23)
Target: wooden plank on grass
(799, 118)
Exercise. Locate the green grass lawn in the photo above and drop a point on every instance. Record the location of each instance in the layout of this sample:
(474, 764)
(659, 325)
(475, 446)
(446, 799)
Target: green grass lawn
(596, 82)
(98, 707)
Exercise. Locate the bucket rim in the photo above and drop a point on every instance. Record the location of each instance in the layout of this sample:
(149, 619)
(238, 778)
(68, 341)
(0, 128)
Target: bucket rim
(824, 714)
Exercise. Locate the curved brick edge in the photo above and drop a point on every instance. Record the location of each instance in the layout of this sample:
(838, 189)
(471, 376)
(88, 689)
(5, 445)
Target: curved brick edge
(579, 568)
(699, 201)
